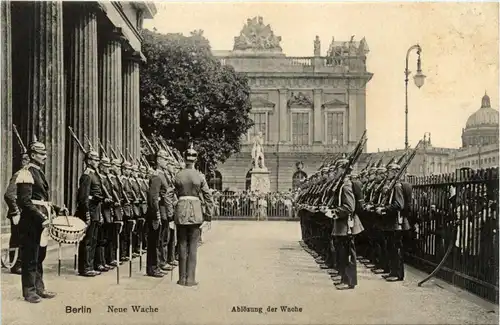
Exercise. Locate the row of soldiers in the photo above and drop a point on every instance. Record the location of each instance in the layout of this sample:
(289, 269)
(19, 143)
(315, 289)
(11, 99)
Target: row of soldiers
(125, 207)
(366, 214)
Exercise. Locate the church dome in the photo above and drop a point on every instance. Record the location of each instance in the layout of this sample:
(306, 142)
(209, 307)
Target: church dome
(485, 116)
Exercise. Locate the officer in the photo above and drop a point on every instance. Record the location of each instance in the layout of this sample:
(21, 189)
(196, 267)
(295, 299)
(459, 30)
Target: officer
(392, 211)
(104, 251)
(168, 259)
(160, 209)
(34, 202)
(346, 225)
(189, 185)
(89, 197)
(14, 215)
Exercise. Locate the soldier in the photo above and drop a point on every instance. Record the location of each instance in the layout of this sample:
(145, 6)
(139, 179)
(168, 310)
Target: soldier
(104, 260)
(393, 213)
(144, 184)
(129, 210)
(33, 201)
(14, 215)
(168, 258)
(189, 185)
(138, 201)
(119, 212)
(88, 209)
(346, 224)
(160, 210)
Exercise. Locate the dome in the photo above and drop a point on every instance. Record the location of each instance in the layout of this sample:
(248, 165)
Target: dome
(485, 116)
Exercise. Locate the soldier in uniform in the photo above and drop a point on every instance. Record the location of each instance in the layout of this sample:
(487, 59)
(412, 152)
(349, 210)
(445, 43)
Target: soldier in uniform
(189, 186)
(160, 210)
(88, 209)
(119, 213)
(14, 215)
(104, 251)
(129, 210)
(144, 184)
(136, 189)
(33, 201)
(393, 213)
(346, 225)
(168, 258)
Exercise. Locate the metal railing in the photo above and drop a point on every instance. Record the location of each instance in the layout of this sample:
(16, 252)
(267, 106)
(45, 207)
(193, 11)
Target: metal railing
(242, 207)
(457, 212)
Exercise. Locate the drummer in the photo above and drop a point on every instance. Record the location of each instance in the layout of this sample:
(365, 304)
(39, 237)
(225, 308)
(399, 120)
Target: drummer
(32, 197)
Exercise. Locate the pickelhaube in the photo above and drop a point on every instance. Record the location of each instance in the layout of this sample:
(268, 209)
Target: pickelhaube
(94, 155)
(143, 169)
(191, 154)
(162, 154)
(37, 147)
(126, 165)
(135, 168)
(116, 162)
(393, 166)
(105, 161)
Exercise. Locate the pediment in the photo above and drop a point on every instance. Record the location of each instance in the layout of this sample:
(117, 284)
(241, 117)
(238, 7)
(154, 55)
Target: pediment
(334, 103)
(258, 101)
(300, 100)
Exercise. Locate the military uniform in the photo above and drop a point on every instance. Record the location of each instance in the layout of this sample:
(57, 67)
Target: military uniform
(32, 197)
(189, 186)
(13, 215)
(89, 199)
(160, 209)
(130, 213)
(119, 214)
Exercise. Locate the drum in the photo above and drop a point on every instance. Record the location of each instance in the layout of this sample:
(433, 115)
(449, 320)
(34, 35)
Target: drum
(67, 230)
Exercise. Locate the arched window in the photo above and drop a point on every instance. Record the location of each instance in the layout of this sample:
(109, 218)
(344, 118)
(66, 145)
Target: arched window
(215, 180)
(297, 178)
(248, 181)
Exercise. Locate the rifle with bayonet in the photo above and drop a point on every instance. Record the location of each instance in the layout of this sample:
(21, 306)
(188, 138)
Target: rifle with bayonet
(122, 187)
(19, 140)
(144, 199)
(115, 195)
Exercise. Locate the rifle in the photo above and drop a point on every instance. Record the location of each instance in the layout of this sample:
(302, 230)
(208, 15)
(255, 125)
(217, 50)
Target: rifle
(19, 140)
(135, 178)
(104, 189)
(146, 140)
(131, 187)
(127, 201)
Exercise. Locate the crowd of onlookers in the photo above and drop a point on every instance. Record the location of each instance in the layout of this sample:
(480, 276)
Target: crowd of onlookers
(250, 204)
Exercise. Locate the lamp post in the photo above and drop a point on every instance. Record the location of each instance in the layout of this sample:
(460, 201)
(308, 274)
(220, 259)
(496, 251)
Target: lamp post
(419, 79)
(425, 151)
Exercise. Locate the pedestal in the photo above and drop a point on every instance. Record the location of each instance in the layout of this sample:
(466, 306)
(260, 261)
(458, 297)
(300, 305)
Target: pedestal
(260, 181)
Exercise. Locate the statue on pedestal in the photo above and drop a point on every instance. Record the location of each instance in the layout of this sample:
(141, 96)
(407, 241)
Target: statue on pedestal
(258, 152)
(317, 46)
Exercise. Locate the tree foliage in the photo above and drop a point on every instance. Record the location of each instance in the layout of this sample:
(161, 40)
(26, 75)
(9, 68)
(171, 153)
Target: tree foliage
(188, 96)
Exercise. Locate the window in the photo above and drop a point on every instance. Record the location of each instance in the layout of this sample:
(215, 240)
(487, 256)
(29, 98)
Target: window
(335, 128)
(300, 128)
(260, 125)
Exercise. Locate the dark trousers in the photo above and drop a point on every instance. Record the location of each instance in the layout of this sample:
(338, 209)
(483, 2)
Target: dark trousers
(87, 248)
(114, 243)
(171, 245)
(154, 246)
(33, 257)
(187, 238)
(347, 260)
(162, 256)
(138, 236)
(396, 254)
(14, 243)
(105, 248)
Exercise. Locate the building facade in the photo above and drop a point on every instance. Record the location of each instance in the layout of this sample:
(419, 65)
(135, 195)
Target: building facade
(70, 64)
(305, 107)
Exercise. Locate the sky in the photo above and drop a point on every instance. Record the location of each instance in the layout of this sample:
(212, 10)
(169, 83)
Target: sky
(460, 54)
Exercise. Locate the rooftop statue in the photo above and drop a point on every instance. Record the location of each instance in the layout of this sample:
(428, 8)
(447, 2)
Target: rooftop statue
(257, 36)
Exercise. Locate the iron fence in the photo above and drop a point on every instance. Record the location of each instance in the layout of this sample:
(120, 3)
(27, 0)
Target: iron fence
(269, 207)
(457, 212)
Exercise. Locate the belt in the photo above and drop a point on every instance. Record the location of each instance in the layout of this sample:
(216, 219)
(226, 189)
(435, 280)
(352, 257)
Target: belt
(188, 197)
(46, 204)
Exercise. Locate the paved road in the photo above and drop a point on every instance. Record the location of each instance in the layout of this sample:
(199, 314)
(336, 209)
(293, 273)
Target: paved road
(242, 264)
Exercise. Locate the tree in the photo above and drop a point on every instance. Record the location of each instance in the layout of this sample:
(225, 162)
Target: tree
(188, 96)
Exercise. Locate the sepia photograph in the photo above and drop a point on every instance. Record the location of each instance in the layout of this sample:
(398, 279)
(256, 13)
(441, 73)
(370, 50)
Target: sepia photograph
(249, 162)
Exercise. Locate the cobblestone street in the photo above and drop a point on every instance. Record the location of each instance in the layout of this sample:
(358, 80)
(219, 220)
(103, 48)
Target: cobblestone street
(242, 264)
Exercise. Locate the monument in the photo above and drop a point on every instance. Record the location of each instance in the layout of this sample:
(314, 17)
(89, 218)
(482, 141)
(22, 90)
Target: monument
(259, 174)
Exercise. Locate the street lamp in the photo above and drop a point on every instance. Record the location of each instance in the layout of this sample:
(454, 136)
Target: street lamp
(419, 79)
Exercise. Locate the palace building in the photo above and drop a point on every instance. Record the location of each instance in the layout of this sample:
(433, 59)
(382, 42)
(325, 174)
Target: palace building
(70, 64)
(305, 107)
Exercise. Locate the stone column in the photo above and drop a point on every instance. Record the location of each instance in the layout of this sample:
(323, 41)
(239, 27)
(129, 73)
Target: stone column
(6, 99)
(318, 120)
(352, 135)
(110, 90)
(131, 105)
(283, 115)
(360, 112)
(46, 113)
(82, 92)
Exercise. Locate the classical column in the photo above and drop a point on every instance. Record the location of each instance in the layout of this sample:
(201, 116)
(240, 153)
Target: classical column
(360, 112)
(46, 113)
(82, 91)
(6, 114)
(283, 115)
(352, 95)
(110, 90)
(131, 105)
(318, 121)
